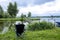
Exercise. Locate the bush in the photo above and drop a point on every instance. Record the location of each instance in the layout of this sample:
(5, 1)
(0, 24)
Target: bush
(40, 25)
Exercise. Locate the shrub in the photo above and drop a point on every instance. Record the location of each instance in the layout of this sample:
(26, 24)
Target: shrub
(40, 25)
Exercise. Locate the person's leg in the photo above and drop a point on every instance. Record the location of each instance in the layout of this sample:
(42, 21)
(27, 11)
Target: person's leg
(17, 34)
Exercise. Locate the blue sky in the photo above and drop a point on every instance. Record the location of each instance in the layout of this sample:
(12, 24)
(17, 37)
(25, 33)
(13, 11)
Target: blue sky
(36, 7)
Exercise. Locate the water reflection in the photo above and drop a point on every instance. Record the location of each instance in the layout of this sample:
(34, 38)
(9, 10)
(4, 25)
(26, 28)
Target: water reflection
(4, 26)
(5, 29)
(1, 25)
(8, 25)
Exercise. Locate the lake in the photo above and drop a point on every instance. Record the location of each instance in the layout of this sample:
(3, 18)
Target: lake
(50, 19)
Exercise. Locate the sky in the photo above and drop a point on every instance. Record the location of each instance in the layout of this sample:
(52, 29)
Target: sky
(36, 7)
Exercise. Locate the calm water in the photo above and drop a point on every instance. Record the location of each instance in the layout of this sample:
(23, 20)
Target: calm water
(50, 19)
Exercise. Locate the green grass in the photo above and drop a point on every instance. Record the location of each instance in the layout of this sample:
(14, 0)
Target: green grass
(53, 34)
(17, 19)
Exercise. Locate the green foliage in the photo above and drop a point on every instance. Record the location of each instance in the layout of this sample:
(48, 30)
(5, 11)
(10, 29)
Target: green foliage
(6, 15)
(53, 34)
(1, 12)
(22, 15)
(29, 14)
(23, 18)
(15, 9)
(12, 9)
(40, 25)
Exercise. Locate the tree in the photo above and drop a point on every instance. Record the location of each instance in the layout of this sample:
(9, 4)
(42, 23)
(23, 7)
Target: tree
(1, 12)
(12, 9)
(22, 15)
(22, 18)
(29, 14)
(1, 16)
(6, 15)
(15, 9)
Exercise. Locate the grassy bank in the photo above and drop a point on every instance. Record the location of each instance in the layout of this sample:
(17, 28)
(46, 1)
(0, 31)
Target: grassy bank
(53, 34)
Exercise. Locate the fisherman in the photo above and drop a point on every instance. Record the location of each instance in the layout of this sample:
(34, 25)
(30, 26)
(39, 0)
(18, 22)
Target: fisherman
(19, 29)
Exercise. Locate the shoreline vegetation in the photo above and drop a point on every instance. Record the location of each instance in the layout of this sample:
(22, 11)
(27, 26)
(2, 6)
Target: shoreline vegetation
(49, 34)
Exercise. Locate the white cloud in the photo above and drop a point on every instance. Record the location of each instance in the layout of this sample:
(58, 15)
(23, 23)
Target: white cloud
(4, 3)
(52, 7)
(44, 9)
(2, 0)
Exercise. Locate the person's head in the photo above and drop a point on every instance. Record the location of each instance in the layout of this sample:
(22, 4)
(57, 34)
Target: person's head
(17, 22)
